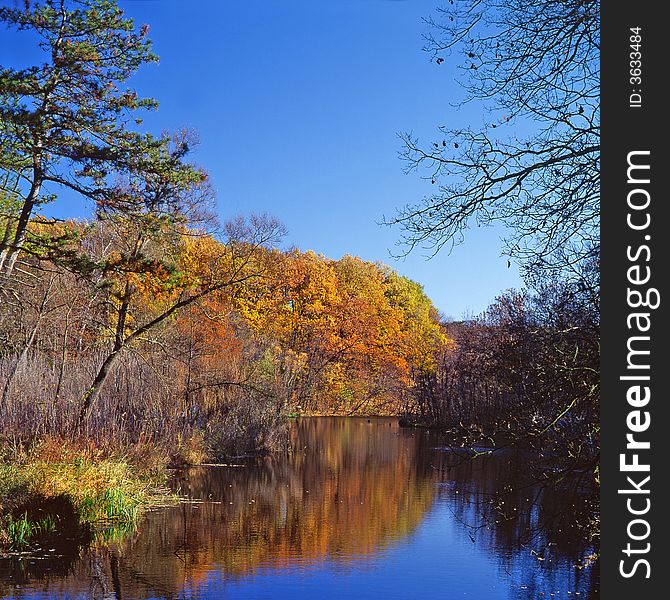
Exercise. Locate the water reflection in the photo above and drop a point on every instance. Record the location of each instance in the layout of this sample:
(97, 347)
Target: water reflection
(359, 506)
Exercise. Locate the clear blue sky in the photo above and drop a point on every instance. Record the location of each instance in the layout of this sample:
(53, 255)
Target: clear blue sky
(298, 104)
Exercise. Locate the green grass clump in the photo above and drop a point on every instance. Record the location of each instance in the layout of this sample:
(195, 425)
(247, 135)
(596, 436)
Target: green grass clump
(18, 531)
(107, 492)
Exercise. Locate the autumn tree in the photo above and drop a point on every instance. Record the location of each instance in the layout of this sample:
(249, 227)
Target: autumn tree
(388, 330)
(525, 372)
(158, 267)
(347, 334)
(533, 166)
(68, 123)
(421, 331)
(294, 307)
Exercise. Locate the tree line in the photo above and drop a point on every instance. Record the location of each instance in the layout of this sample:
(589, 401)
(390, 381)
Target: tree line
(178, 332)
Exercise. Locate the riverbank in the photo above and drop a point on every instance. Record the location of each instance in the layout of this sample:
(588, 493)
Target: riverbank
(357, 492)
(58, 486)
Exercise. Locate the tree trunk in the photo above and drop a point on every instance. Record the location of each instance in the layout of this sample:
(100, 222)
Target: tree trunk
(122, 342)
(19, 362)
(11, 252)
(93, 392)
(4, 244)
(63, 358)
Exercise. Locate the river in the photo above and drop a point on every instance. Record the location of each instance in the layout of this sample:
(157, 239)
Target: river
(360, 508)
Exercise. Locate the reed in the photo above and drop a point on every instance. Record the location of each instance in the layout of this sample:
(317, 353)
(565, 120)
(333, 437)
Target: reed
(98, 491)
(142, 406)
(18, 530)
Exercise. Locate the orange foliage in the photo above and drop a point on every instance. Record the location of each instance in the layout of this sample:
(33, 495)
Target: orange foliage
(331, 336)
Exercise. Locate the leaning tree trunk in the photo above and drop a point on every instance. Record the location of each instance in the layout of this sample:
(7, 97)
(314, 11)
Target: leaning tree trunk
(4, 243)
(10, 252)
(22, 358)
(122, 342)
(93, 392)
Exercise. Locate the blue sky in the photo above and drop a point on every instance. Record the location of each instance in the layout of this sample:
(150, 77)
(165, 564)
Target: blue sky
(298, 105)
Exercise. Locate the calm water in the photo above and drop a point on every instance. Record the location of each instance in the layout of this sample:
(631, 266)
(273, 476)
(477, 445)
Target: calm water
(360, 509)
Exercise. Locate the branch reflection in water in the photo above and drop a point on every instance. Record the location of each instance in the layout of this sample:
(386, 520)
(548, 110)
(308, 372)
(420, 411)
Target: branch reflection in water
(357, 505)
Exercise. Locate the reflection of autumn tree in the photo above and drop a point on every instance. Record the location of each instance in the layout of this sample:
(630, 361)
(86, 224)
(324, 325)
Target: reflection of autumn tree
(539, 536)
(347, 491)
(346, 496)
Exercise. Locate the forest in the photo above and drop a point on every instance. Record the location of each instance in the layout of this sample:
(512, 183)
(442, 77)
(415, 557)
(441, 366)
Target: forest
(150, 334)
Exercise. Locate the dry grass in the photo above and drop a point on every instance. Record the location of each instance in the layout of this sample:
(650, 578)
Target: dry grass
(142, 422)
(98, 488)
(141, 406)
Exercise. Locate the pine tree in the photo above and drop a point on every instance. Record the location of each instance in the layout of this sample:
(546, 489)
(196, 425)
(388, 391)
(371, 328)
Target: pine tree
(70, 123)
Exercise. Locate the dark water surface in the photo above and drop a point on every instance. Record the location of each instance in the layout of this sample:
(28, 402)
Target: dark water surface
(360, 509)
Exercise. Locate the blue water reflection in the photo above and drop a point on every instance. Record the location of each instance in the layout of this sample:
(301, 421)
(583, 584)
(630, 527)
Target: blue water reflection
(359, 509)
